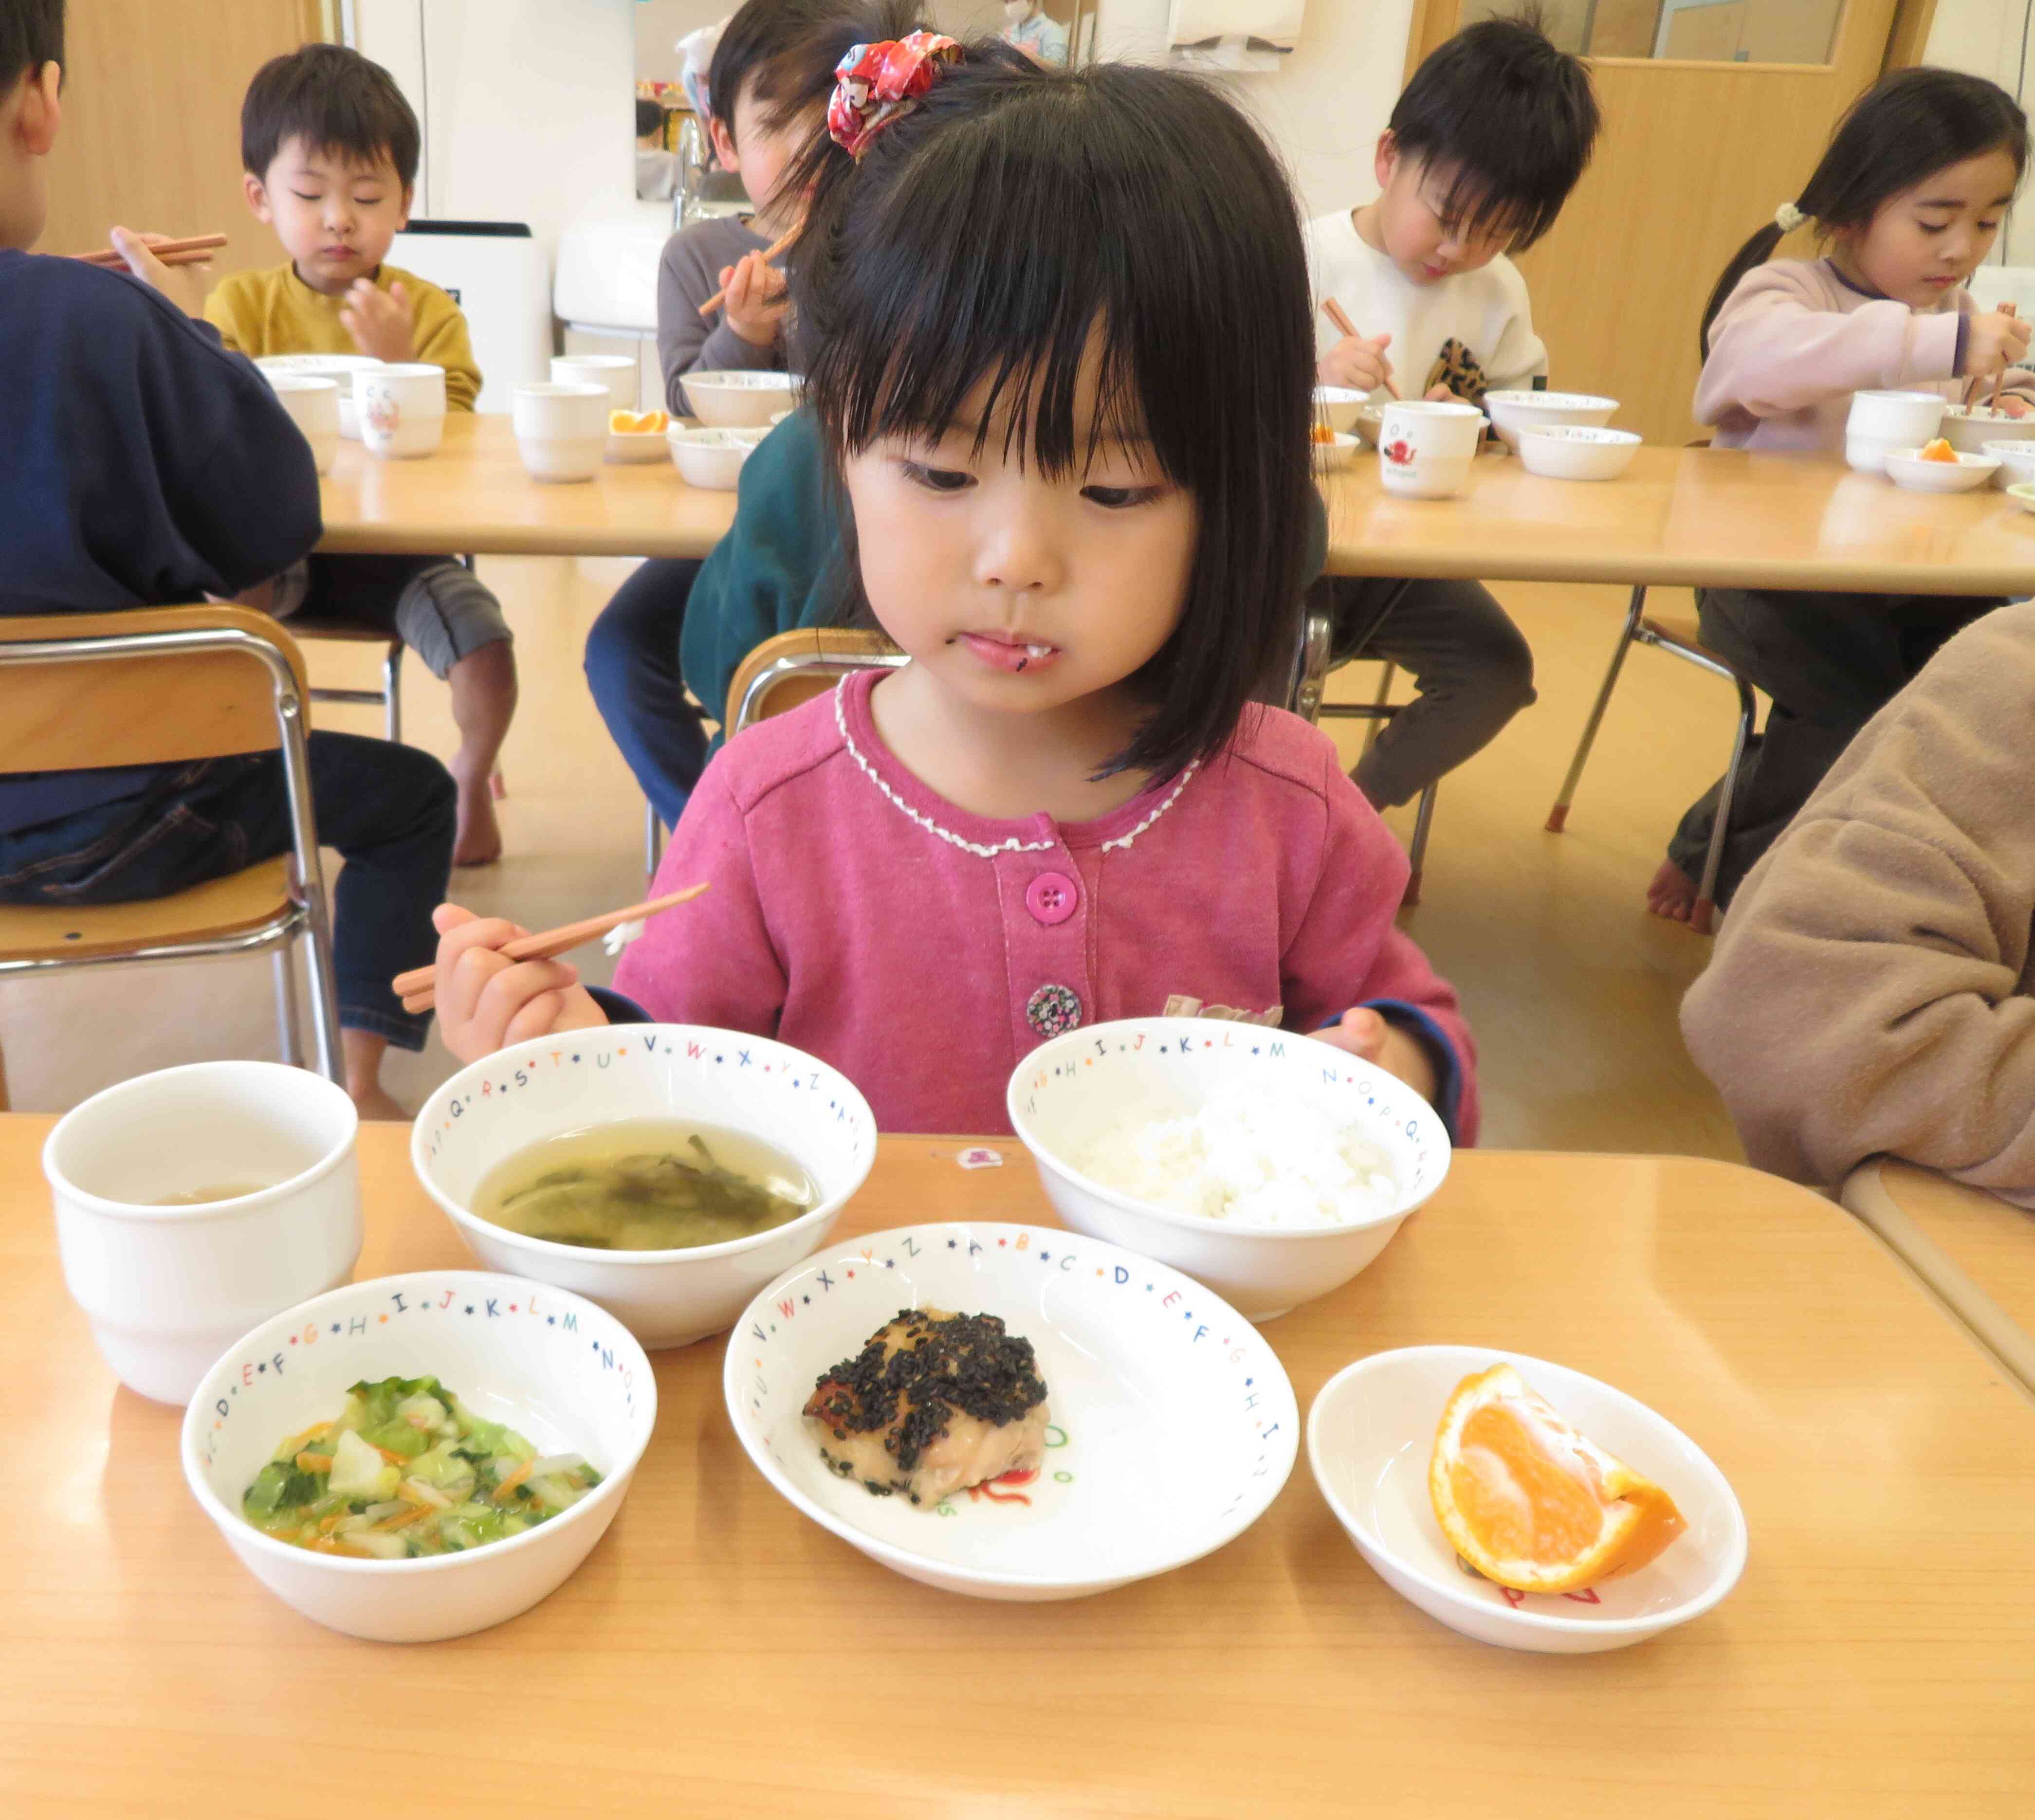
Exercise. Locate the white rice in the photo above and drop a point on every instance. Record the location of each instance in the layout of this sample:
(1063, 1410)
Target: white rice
(1252, 1155)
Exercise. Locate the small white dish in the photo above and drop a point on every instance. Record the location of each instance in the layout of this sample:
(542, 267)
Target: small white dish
(737, 399)
(712, 457)
(1512, 411)
(565, 1376)
(2022, 493)
(166, 1287)
(626, 447)
(1332, 457)
(525, 1093)
(1069, 1093)
(2016, 460)
(341, 367)
(1174, 1423)
(1971, 429)
(1337, 406)
(1906, 468)
(1577, 451)
(1371, 1434)
(561, 429)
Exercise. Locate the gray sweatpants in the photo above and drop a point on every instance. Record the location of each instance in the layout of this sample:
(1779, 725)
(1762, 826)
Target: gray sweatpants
(1472, 669)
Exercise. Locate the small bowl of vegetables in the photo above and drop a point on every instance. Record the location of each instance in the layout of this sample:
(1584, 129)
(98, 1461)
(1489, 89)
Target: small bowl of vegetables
(416, 1457)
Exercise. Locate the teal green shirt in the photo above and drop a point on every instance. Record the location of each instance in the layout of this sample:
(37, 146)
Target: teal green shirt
(774, 572)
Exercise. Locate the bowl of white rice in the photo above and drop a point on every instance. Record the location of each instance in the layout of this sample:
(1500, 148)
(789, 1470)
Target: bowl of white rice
(1269, 1166)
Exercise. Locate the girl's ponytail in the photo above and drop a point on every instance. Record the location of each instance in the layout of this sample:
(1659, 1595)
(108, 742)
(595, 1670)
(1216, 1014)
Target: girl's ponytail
(1904, 128)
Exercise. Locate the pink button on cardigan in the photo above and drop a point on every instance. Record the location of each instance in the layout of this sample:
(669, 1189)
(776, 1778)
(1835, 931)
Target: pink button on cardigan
(923, 951)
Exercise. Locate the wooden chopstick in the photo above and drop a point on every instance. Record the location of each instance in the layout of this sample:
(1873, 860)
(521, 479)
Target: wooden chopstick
(1340, 317)
(770, 253)
(1993, 403)
(171, 252)
(414, 988)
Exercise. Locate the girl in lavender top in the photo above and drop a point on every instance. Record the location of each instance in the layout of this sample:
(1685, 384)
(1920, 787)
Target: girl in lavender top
(1063, 372)
(1906, 204)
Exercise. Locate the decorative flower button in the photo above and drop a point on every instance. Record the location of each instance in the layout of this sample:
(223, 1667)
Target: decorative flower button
(1053, 1009)
(1052, 897)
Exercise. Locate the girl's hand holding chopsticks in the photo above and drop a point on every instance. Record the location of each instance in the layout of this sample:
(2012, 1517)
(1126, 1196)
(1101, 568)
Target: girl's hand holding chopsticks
(486, 1000)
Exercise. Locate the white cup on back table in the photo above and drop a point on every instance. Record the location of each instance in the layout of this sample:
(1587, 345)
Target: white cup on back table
(402, 408)
(1881, 422)
(618, 372)
(312, 405)
(167, 1288)
(561, 430)
(1424, 450)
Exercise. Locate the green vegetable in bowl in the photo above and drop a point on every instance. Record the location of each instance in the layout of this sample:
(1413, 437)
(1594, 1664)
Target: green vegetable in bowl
(407, 1470)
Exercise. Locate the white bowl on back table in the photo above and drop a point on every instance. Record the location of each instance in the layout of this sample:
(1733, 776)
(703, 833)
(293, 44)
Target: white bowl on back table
(1072, 1092)
(528, 1093)
(738, 399)
(562, 1374)
(1970, 429)
(338, 367)
(1144, 1370)
(1907, 468)
(1337, 406)
(1371, 1434)
(1577, 451)
(710, 457)
(1881, 421)
(2016, 460)
(1510, 413)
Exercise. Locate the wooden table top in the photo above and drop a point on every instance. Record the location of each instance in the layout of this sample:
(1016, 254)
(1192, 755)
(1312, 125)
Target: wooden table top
(1974, 1249)
(1877, 1658)
(1702, 517)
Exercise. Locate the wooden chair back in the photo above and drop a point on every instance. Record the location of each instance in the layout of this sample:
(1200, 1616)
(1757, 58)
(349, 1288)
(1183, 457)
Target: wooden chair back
(794, 667)
(156, 705)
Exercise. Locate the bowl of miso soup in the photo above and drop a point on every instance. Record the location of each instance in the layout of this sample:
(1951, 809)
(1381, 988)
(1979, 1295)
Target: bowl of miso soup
(665, 1171)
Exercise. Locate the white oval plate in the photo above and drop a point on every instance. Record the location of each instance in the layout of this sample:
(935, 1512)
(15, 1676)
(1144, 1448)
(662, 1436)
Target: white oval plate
(1174, 1424)
(1371, 1433)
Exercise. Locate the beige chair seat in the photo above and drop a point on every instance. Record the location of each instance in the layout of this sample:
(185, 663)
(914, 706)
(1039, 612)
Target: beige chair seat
(256, 900)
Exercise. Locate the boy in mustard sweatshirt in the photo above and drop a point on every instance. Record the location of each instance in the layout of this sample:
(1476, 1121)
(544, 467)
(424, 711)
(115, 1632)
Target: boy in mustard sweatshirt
(330, 148)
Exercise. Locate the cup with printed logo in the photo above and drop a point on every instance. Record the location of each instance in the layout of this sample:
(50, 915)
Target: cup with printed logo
(1424, 450)
(402, 408)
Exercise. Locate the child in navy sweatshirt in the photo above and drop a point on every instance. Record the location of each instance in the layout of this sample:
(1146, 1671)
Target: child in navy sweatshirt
(142, 465)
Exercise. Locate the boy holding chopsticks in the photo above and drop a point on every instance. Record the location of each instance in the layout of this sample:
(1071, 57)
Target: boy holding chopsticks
(142, 465)
(1484, 147)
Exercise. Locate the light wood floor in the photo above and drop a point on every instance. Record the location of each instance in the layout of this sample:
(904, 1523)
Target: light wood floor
(1570, 986)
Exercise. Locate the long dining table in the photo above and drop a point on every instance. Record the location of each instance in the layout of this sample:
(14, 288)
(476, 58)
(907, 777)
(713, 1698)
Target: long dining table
(719, 1654)
(1701, 517)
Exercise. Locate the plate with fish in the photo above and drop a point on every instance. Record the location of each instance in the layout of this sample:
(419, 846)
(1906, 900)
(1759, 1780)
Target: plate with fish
(1010, 1411)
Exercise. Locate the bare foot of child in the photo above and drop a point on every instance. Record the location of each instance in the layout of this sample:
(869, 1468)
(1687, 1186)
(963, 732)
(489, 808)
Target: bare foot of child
(477, 837)
(375, 1103)
(1672, 893)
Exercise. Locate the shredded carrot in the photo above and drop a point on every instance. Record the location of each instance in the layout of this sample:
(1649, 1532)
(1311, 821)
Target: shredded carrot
(327, 1525)
(314, 1462)
(310, 1434)
(503, 1491)
(403, 1519)
(393, 1459)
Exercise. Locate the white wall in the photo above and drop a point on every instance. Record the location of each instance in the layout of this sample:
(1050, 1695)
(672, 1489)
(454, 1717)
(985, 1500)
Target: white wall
(660, 24)
(529, 116)
(1985, 37)
(1324, 109)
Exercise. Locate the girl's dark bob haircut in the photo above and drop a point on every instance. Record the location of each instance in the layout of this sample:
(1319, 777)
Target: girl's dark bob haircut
(1904, 129)
(1020, 215)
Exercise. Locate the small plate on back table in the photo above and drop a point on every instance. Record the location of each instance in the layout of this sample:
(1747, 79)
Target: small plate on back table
(1174, 1424)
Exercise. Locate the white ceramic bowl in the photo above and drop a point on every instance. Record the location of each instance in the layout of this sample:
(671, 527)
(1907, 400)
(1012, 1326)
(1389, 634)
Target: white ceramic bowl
(1337, 406)
(1970, 428)
(1068, 1093)
(735, 399)
(2016, 460)
(528, 1093)
(554, 1367)
(1330, 457)
(1371, 1434)
(166, 1288)
(1905, 468)
(2022, 493)
(336, 366)
(628, 446)
(711, 458)
(1512, 411)
(1370, 420)
(1577, 451)
(1174, 1423)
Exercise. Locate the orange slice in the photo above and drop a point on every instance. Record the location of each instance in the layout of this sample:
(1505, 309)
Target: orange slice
(1531, 1504)
(1322, 433)
(1939, 450)
(638, 422)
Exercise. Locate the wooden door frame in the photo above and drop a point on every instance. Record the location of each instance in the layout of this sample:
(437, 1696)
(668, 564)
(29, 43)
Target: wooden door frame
(1433, 23)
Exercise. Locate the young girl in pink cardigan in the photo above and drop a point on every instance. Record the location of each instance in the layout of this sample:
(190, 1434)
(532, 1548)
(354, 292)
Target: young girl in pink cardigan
(1063, 372)
(1908, 200)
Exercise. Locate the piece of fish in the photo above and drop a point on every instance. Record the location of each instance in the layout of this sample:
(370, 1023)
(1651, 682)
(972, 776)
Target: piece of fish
(934, 1403)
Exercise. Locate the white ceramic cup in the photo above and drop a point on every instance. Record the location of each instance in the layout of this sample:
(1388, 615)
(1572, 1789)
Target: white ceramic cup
(561, 430)
(312, 405)
(617, 373)
(401, 408)
(1881, 421)
(168, 1289)
(1425, 450)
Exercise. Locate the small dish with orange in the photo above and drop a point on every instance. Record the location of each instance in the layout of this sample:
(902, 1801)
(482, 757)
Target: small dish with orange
(638, 436)
(1521, 1503)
